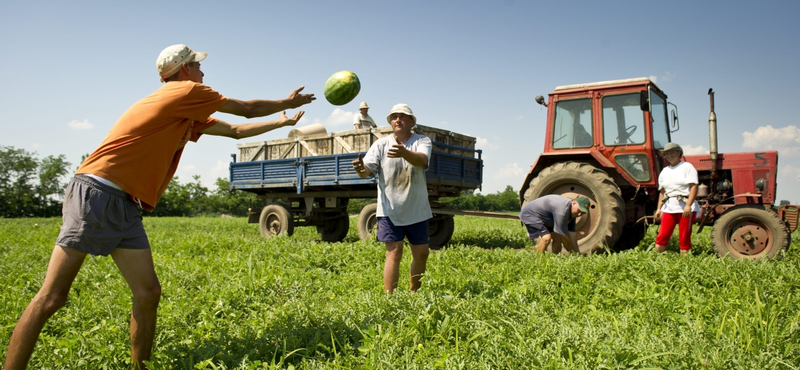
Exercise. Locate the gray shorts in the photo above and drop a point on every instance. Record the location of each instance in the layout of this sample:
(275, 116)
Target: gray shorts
(98, 218)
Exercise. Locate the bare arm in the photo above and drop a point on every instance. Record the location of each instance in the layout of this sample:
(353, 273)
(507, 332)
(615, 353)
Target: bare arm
(418, 159)
(659, 204)
(261, 108)
(362, 170)
(244, 130)
(687, 210)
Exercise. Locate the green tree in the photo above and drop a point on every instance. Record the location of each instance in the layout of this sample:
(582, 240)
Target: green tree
(30, 187)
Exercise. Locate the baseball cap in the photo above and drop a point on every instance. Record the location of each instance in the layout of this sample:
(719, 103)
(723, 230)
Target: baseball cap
(672, 146)
(583, 204)
(401, 108)
(172, 58)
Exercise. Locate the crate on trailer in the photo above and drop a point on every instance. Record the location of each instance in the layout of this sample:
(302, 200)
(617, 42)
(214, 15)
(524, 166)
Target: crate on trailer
(349, 141)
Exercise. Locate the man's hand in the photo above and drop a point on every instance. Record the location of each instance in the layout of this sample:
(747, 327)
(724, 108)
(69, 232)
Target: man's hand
(297, 99)
(361, 169)
(285, 121)
(398, 151)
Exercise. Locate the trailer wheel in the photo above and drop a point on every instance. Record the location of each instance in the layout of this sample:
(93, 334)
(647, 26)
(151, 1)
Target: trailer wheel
(750, 231)
(440, 230)
(367, 222)
(606, 218)
(275, 219)
(335, 228)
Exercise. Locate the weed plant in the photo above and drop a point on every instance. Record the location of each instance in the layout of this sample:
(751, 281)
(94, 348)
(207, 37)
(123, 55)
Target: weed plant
(234, 300)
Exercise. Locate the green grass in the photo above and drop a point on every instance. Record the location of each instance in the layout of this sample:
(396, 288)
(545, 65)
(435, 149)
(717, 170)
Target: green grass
(233, 300)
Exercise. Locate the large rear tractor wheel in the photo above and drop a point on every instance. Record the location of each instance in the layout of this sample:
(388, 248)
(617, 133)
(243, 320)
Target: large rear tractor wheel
(275, 219)
(602, 227)
(368, 222)
(440, 230)
(336, 227)
(750, 231)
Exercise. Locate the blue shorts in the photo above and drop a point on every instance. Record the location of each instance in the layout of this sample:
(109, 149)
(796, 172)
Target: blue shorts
(417, 233)
(537, 230)
(98, 218)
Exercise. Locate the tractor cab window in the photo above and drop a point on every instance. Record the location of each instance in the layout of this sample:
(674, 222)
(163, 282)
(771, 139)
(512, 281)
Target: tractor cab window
(658, 110)
(573, 124)
(623, 120)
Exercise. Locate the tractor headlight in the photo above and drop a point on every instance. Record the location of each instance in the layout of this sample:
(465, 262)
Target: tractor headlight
(761, 184)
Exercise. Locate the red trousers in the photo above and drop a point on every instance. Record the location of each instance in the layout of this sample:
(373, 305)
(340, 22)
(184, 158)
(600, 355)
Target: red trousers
(668, 222)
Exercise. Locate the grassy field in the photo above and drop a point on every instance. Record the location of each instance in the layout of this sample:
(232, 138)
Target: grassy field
(233, 300)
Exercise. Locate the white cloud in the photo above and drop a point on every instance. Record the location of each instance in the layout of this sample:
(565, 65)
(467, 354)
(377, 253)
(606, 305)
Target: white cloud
(340, 117)
(688, 149)
(80, 125)
(786, 140)
(510, 171)
(483, 143)
(36, 145)
(654, 78)
(668, 76)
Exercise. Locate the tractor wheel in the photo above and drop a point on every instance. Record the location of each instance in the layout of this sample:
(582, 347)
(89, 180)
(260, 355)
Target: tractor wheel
(368, 221)
(335, 228)
(275, 219)
(603, 226)
(440, 230)
(750, 231)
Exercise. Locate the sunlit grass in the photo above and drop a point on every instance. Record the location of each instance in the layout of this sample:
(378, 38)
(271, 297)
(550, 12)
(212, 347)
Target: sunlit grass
(233, 300)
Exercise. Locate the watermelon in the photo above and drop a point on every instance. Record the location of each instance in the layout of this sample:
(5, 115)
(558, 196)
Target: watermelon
(342, 87)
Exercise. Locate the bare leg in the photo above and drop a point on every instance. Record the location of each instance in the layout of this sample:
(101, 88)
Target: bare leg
(391, 270)
(556, 244)
(136, 266)
(61, 272)
(544, 240)
(661, 248)
(420, 254)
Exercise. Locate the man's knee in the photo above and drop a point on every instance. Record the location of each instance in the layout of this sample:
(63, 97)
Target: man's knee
(50, 302)
(420, 252)
(149, 295)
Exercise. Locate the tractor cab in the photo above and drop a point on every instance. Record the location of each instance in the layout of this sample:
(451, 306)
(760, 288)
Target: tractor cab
(624, 121)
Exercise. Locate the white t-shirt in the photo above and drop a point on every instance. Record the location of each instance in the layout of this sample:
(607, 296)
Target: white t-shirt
(402, 188)
(364, 121)
(676, 180)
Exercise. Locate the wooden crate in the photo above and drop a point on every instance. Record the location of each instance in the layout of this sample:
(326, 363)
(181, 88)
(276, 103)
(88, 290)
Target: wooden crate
(348, 141)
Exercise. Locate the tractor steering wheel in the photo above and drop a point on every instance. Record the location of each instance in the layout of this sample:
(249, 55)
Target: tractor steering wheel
(628, 132)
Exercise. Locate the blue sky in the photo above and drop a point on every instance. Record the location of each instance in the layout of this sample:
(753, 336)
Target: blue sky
(70, 69)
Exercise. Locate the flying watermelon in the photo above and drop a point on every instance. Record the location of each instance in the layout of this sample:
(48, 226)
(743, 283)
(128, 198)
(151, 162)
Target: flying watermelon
(342, 87)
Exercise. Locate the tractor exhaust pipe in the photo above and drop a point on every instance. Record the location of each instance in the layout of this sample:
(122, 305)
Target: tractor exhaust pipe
(712, 135)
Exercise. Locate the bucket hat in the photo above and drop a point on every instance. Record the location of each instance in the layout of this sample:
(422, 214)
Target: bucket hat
(401, 108)
(172, 58)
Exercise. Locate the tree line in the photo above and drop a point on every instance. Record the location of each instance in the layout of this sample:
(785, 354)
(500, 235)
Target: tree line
(32, 187)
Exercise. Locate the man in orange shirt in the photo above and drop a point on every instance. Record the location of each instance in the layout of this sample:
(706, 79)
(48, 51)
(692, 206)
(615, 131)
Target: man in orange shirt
(129, 171)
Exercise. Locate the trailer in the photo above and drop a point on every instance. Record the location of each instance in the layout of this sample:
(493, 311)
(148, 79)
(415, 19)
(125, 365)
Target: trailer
(308, 180)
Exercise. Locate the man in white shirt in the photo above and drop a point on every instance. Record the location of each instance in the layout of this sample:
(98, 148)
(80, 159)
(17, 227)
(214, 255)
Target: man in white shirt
(400, 161)
(363, 120)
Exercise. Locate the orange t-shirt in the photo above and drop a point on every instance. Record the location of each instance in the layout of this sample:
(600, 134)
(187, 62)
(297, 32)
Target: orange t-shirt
(142, 150)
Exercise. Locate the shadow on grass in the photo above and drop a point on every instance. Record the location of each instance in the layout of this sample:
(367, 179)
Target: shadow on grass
(489, 241)
(289, 341)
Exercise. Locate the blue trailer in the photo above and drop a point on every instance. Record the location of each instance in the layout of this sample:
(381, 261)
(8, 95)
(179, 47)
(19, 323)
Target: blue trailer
(312, 189)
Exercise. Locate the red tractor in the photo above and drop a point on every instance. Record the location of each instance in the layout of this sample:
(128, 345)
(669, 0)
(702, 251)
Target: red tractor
(604, 141)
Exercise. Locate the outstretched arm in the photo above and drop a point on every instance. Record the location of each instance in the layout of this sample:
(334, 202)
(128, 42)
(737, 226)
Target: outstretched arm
(261, 108)
(244, 130)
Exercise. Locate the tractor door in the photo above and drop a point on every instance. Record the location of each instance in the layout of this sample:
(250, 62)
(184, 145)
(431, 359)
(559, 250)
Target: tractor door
(626, 131)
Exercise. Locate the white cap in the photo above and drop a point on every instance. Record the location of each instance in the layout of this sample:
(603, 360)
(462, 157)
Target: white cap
(172, 58)
(363, 105)
(401, 108)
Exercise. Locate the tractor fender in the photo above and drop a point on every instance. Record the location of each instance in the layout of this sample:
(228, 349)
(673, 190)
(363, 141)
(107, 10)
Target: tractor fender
(545, 160)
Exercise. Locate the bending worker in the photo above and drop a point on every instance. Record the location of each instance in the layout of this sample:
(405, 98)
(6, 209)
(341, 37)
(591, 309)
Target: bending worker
(552, 217)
